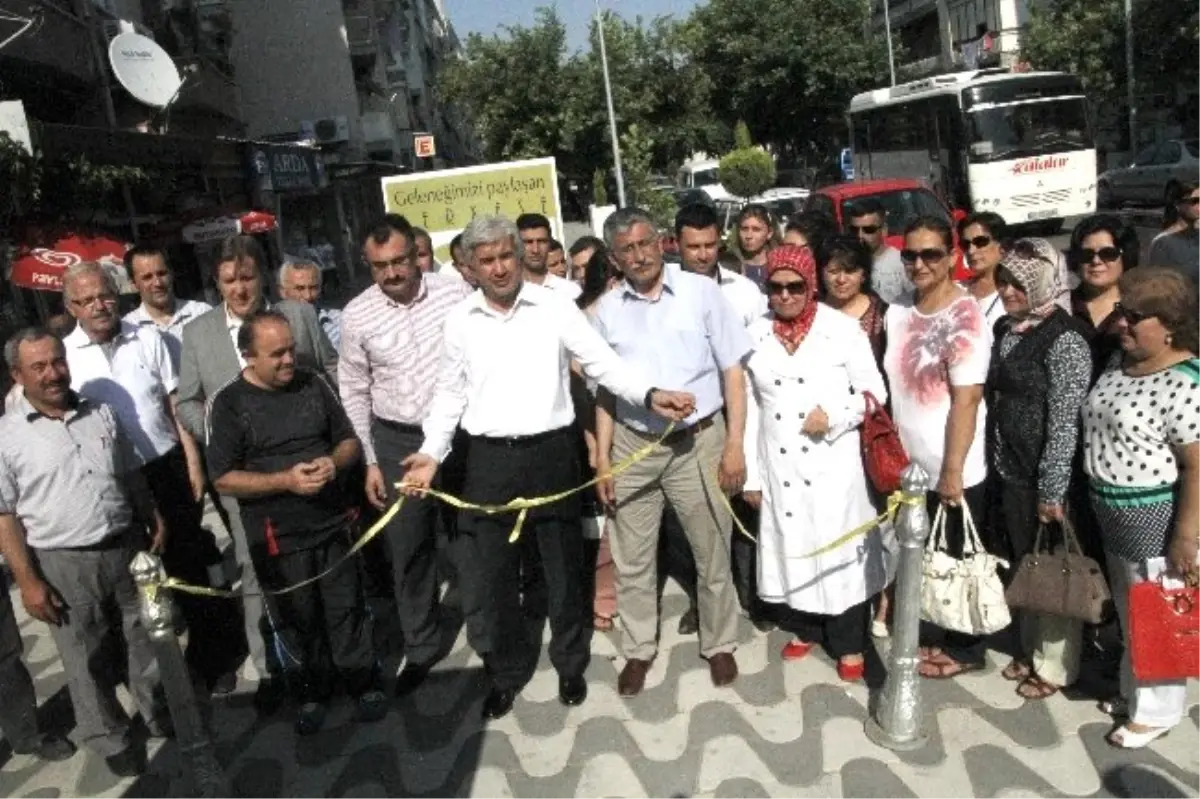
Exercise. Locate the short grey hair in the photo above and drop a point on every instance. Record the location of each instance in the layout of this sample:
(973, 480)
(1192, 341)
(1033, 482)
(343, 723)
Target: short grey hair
(84, 268)
(490, 230)
(12, 347)
(291, 262)
(622, 220)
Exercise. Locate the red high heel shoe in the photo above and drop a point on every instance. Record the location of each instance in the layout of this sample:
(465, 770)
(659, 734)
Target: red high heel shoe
(796, 650)
(851, 672)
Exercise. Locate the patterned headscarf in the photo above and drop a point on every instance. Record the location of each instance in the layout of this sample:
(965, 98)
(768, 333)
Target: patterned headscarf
(799, 260)
(1044, 249)
(1037, 276)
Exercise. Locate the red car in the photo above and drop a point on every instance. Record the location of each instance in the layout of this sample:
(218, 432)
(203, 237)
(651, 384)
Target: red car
(903, 198)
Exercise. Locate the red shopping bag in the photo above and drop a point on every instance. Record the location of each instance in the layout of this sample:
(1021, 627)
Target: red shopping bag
(1164, 631)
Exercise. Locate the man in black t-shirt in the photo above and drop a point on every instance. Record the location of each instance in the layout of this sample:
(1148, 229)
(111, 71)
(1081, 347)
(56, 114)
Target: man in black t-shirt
(280, 442)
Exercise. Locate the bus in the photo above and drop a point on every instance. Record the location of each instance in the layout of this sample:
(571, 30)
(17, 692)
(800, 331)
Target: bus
(1017, 144)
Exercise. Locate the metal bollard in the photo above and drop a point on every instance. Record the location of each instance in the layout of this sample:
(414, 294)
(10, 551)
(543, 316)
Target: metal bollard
(191, 734)
(896, 722)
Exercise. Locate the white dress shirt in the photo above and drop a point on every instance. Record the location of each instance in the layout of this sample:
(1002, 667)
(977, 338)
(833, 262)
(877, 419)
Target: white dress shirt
(234, 325)
(172, 330)
(506, 374)
(743, 294)
(568, 288)
(134, 375)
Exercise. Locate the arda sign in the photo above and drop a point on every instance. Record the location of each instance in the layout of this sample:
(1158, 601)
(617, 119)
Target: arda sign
(1030, 166)
(281, 168)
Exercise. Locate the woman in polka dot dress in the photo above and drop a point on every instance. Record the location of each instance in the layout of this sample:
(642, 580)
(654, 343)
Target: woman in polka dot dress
(1141, 455)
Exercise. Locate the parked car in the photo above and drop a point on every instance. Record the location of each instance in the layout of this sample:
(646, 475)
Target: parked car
(903, 200)
(1153, 176)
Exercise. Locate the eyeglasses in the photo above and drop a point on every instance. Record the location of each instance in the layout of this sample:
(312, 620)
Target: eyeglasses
(979, 242)
(1108, 255)
(796, 288)
(1190, 201)
(928, 255)
(1132, 318)
(869, 230)
(403, 262)
(87, 302)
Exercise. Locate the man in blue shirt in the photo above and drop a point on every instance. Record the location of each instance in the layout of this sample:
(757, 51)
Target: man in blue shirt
(677, 327)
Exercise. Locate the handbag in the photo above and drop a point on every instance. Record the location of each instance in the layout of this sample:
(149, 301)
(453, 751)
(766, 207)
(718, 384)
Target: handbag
(965, 595)
(1163, 633)
(1061, 582)
(884, 458)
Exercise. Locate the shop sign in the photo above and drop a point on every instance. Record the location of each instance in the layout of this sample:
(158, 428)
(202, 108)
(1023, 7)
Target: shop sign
(281, 168)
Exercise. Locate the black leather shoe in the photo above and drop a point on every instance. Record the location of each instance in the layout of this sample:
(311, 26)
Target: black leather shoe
(689, 623)
(270, 696)
(498, 703)
(126, 763)
(572, 690)
(410, 678)
(51, 748)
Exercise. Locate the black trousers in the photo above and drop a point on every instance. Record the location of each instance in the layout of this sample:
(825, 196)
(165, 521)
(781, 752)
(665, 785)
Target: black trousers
(678, 563)
(323, 630)
(675, 556)
(841, 635)
(498, 470)
(216, 635)
(18, 702)
(962, 647)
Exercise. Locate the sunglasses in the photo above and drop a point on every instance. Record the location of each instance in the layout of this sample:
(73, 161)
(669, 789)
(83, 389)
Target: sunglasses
(796, 288)
(1132, 318)
(979, 242)
(928, 255)
(1108, 255)
(870, 230)
(1190, 201)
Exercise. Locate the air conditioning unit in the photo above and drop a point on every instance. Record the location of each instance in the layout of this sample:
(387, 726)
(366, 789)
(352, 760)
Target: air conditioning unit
(330, 130)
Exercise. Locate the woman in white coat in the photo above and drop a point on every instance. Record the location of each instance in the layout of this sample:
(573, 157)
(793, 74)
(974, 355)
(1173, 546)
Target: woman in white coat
(809, 370)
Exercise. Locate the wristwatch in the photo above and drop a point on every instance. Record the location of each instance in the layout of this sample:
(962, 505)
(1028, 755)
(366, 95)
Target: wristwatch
(649, 401)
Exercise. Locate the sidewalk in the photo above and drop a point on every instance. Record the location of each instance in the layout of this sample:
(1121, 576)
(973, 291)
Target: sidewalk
(782, 730)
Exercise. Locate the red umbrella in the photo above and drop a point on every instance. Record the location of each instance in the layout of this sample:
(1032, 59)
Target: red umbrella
(42, 267)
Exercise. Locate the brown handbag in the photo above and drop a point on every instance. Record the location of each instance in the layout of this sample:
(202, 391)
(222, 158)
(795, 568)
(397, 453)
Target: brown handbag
(1062, 582)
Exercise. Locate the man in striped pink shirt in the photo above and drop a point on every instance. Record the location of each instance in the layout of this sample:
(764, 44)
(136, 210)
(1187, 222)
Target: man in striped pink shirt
(391, 350)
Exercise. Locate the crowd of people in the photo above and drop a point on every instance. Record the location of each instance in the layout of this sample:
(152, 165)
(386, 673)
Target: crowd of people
(723, 389)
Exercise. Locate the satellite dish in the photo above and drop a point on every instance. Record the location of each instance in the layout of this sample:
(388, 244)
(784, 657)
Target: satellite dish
(144, 69)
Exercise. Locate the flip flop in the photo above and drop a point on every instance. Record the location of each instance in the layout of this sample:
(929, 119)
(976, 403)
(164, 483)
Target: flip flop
(948, 668)
(1016, 671)
(1034, 687)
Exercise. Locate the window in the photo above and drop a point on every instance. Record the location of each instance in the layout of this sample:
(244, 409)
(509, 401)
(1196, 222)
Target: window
(1145, 157)
(1169, 153)
(1020, 130)
(821, 203)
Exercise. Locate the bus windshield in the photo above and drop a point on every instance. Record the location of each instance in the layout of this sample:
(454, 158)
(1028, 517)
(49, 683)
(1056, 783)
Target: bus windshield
(1020, 130)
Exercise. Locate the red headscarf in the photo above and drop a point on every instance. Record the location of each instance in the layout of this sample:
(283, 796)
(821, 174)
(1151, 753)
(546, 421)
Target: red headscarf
(799, 260)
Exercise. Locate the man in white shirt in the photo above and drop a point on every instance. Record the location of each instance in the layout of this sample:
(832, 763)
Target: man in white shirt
(160, 308)
(504, 378)
(867, 219)
(536, 240)
(129, 368)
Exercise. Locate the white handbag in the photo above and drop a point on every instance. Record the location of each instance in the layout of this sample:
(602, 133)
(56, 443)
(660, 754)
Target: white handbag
(963, 595)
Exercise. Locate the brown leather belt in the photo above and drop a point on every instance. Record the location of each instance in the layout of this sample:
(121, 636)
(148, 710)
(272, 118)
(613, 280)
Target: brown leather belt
(679, 436)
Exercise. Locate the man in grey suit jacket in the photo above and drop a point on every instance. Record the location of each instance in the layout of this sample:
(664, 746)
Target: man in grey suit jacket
(208, 362)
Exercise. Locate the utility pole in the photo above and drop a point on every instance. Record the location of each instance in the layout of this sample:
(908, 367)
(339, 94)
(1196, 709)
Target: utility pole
(612, 116)
(1129, 89)
(887, 26)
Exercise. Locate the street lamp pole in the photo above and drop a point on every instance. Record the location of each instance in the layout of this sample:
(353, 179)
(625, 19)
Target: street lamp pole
(1129, 89)
(612, 116)
(887, 25)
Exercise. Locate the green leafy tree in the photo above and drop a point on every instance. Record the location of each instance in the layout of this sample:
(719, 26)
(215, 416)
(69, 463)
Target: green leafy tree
(741, 136)
(747, 172)
(637, 149)
(788, 67)
(599, 192)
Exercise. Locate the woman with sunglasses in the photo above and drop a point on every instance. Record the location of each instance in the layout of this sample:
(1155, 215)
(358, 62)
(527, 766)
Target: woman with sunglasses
(937, 363)
(1037, 381)
(1103, 248)
(1142, 458)
(809, 370)
(755, 238)
(1180, 250)
(982, 237)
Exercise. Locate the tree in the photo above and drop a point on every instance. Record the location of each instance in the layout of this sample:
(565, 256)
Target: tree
(637, 148)
(746, 170)
(788, 67)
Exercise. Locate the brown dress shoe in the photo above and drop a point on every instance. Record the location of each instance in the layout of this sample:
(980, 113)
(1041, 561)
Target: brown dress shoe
(633, 677)
(723, 668)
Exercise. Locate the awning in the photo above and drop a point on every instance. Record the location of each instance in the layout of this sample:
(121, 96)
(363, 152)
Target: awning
(208, 230)
(42, 268)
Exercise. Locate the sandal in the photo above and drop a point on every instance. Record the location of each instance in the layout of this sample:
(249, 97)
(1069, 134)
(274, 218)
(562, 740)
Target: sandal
(942, 667)
(1124, 738)
(1017, 671)
(602, 624)
(1034, 687)
(929, 652)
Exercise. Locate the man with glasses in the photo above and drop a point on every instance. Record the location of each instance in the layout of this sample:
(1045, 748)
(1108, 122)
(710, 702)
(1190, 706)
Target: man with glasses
(391, 350)
(676, 326)
(1181, 251)
(867, 219)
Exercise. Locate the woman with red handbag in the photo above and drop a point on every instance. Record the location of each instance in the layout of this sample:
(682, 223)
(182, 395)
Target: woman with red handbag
(809, 371)
(1142, 458)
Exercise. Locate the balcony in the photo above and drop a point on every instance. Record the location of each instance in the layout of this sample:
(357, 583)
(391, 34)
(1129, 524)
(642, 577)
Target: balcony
(362, 33)
(45, 42)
